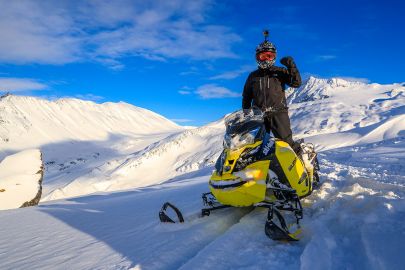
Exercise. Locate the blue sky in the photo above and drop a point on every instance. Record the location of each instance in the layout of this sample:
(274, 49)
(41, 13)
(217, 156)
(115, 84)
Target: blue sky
(188, 60)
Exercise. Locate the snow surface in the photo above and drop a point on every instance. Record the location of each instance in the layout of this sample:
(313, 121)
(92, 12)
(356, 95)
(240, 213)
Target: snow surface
(353, 221)
(20, 176)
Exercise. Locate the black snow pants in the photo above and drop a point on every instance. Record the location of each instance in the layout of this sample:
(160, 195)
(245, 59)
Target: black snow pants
(279, 124)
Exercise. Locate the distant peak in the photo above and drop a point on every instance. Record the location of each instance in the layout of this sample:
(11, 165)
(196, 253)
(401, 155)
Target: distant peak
(335, 81)
(320, 88)
(7, 94)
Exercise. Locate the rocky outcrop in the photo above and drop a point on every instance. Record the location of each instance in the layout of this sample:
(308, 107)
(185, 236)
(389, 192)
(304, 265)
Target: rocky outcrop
(21, 176)
(37, 197)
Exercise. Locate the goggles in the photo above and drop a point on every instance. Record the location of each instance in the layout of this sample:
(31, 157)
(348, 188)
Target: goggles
(266, 56)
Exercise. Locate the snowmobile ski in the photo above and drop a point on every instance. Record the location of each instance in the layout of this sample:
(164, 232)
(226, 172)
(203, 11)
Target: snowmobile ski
(165, 218)
(276, 227)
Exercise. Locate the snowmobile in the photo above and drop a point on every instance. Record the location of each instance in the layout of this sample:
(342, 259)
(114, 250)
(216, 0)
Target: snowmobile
(256, 169)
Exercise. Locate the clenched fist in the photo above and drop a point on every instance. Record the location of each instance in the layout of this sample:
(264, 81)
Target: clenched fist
(288, 62)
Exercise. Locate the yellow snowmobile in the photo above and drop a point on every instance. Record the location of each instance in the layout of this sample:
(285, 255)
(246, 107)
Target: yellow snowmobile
(256, 169)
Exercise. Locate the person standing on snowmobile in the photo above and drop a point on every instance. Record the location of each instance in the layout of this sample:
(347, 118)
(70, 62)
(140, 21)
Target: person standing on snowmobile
(264, 88)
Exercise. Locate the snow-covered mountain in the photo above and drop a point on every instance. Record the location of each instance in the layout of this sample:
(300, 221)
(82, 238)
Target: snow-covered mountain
(31, 122)
(180, 153)
(353, 221)
(317, 88)
(77, 136)
(373, 113)
(114, 155)
(348, 112)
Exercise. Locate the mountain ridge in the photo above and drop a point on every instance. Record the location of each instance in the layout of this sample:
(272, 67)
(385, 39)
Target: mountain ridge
(31, 122)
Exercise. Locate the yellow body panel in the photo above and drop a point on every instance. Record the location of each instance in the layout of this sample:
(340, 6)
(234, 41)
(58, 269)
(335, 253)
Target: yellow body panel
(253, 191)
(255, 175)
(233, 155)
(293, 168)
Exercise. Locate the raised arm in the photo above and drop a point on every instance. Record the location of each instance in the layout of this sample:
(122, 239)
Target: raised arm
(292, 75)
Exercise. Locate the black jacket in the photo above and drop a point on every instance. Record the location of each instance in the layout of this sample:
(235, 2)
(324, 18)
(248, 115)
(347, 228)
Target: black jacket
(265, 87)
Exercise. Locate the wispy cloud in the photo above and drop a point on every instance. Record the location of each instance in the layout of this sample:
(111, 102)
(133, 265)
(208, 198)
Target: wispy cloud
(325, 57)
(209, 91)
(90, 97)
(184, 92)
(354, 79)
(182, 120)
(20, 84)
(233, 73)
(190, 71)
(59, 32)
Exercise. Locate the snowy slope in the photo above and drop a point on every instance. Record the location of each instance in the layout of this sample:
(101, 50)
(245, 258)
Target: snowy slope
(349, 112)
(316, 88)
(355, 221)
(27, 122)
(177, 154)
(76, 136)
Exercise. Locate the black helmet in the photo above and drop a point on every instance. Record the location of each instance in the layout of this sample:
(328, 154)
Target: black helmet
(266, 53)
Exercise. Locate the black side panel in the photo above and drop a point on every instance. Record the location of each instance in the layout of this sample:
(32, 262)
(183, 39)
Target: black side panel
(276, 168)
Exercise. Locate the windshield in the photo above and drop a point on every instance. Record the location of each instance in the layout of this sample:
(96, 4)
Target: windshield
(243, 128)
(239, 122)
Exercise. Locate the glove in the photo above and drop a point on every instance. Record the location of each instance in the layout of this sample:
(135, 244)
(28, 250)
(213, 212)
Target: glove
(288, 62)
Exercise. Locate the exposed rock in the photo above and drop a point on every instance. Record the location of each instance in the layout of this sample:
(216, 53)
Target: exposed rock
(37, 198)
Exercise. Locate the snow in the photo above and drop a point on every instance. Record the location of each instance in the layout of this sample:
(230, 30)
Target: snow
(108, 231)
(353, 221)
(20, 176)
(158, 162)
(76, 137)
(353, 113)
(28, 122)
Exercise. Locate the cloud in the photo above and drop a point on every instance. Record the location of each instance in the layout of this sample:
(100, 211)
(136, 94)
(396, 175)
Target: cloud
(191, 71)
(87, 97)
(325, 57)
(31, 34)
(90, 97)
(354, 79)
(20, 84)
(60, 32)
(209, 91)
(182, 120)
(233, 74)
(183, 92)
